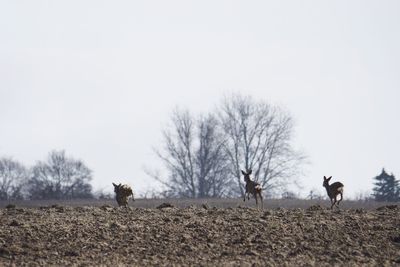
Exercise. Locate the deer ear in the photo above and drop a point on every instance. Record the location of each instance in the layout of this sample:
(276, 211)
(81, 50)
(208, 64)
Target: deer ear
(250, 171)
(243, 172)
(114, 185)
(329, 178)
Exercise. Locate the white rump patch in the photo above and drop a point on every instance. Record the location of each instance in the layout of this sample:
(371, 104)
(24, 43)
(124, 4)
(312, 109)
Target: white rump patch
(126, 187)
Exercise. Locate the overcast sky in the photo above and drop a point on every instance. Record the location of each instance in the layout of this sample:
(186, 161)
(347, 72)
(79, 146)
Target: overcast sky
(100, 78)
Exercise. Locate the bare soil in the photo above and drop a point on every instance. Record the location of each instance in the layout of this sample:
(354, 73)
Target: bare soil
(199, 235)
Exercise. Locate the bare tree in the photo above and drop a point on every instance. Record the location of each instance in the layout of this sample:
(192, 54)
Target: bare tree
(194, 157)
(60, 177)
(258, 138)
(211, 160)
(13, 176)
(178, 155)
(204, 156)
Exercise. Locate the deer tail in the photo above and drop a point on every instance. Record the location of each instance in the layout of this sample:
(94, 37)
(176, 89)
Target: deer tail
(258, 188)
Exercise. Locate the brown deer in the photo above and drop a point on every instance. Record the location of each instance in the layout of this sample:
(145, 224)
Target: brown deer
(253, 188)
(333, 191)
(123, 192)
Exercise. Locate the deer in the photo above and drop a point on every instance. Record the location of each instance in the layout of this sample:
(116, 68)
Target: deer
(122, 193)
(333, 191)
(253, 188)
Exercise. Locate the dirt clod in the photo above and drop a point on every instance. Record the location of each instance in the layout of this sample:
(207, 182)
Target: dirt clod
(389, 207)
(205, 206)
(396, 239)
(10, 206)
(14, 223)
(106, 208)
(165, 205)
(72, 253)
(4, 252)
(315, 208)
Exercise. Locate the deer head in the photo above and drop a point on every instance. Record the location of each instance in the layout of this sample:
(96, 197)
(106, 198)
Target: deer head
(326, 182)
(116, 187)
(246, 175)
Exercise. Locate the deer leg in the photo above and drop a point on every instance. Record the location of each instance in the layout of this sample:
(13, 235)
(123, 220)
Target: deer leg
(333, 202)
(341, 198)
(244, 198)
(262, 202)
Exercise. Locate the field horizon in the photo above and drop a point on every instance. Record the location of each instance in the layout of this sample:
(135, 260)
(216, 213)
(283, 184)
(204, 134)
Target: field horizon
(212, 202)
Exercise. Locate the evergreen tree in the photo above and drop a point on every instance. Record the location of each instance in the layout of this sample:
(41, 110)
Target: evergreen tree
(386, 187)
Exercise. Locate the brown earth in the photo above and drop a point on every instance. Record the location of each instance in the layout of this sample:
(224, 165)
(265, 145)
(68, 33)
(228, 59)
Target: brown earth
(199, 235)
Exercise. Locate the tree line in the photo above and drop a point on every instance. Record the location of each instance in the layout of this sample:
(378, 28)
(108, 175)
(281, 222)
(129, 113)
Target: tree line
(203, 155)
(58, 177)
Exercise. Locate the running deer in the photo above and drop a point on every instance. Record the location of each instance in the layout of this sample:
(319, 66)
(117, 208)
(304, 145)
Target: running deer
(123, 192)
(333, 191)
(253, 188)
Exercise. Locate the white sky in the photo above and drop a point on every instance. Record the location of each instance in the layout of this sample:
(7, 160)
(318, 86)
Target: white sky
(99, 79)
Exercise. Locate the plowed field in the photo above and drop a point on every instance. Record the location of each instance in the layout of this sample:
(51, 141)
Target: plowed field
(199, 235)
